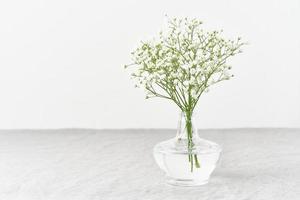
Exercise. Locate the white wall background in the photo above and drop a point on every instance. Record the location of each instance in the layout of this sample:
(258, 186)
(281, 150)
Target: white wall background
(61, 63)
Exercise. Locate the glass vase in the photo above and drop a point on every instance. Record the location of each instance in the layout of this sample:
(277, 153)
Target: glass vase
(187, 159)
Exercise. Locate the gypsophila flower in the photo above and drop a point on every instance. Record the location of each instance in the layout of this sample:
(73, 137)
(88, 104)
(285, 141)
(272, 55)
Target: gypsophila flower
(183, 62)
(185, 58)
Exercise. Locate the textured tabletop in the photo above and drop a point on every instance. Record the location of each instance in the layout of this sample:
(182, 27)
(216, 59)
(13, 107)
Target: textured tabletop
(258, 164)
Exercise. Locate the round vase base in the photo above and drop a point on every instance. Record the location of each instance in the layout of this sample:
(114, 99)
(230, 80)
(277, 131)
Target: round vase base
(185, 182)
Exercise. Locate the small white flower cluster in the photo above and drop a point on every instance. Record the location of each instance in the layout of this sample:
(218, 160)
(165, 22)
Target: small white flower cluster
(184, 62)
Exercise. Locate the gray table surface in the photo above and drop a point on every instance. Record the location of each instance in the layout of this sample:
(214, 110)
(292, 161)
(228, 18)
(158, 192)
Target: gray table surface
(78, 164)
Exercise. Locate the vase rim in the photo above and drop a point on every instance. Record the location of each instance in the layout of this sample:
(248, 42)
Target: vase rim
(194, 113)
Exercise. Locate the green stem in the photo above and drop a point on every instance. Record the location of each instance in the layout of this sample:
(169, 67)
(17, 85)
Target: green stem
(189, 129)
(196, 161)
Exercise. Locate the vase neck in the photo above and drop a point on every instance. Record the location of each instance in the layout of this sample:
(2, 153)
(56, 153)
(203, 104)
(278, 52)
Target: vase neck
(186, 125)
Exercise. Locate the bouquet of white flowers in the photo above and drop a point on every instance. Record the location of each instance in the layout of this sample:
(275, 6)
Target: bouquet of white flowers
(181, 64)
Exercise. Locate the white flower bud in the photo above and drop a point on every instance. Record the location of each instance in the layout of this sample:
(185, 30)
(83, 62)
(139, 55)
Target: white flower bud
(185, 66)
(162, 76)
(192, 71)
(186, 83)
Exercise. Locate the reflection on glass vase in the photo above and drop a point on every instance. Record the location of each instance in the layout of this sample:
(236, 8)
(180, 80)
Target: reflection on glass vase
(187, 159)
